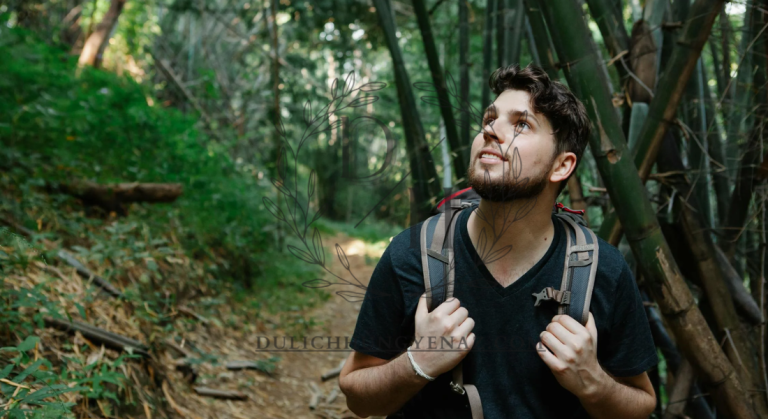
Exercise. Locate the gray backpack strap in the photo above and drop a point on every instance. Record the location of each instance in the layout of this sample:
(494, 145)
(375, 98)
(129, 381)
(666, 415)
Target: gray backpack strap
(436, 257)
(579, 271)
(437, 263)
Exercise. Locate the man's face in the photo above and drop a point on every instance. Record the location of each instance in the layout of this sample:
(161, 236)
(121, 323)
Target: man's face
(514, 155)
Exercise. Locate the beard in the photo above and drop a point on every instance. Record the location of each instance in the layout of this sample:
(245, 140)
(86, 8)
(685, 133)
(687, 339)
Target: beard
(506, 189)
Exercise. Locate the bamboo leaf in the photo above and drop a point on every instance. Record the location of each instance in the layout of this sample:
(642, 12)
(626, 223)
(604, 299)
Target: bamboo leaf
(373, 86)
(342, 256)
(306, 257)
(308, 113)
(351, 296)
(363, 101)
(517, 164)
(317, 283)
(273, 208)
(349, 83)
(525, 209)
(498, 254)
(425, 86)
(334, 88)
(29, 343)
(317, 243)
(482, 242)
(311, 184)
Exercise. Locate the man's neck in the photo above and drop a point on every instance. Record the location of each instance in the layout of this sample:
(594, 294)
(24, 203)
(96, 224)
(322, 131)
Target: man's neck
(525, 225)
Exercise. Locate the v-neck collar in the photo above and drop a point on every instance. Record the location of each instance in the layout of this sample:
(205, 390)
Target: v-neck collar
(483, 271)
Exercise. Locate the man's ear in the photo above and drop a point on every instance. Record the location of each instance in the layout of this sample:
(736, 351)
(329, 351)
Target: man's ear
(563, 166)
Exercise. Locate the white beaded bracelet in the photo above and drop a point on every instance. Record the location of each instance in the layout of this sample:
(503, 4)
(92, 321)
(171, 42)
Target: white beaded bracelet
(416, 367)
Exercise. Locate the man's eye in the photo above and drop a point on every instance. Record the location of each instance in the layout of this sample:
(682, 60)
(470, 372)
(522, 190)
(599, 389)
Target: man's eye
(523, 125)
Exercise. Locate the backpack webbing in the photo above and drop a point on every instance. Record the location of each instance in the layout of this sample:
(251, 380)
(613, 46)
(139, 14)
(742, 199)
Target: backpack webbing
(573, 297)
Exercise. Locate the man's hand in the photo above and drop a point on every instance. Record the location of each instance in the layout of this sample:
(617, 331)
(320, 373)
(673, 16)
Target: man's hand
(449, 319)
(573, 359)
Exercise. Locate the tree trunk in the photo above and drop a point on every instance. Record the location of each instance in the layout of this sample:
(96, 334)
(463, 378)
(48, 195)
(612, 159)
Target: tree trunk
(611, 24)
(501, 27)
(543, 45)
(575, 45)
(275, 111)
(426, 184)
(739, 95)
(670, 89)
(718, 166)
(459, 146)
(698, 161)
(464, 136)
(752, 153)
(97, 42)
(513, 32)
(487, 53)
(710, 276)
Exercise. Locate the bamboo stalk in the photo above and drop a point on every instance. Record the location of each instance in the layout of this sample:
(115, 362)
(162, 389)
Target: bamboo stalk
(457, 142)
(577, 49)
(669, 91)
(424, 176)
(543, 44)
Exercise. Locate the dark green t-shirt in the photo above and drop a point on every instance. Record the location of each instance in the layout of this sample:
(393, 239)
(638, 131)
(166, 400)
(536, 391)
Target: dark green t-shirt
(510, 376)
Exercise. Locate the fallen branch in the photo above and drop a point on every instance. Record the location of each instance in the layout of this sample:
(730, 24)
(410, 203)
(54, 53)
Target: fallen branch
(221, 394)
(101, 336)
(315, 397)
(178, 348)
(332, 395)
(248, 365)
(190, 313)
(334, 372)
(180, 410)
(70, 260)
(112, 196)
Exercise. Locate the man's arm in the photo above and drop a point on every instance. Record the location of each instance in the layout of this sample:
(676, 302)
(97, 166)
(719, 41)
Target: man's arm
(375, 386)
(625, 397)
(573, 361)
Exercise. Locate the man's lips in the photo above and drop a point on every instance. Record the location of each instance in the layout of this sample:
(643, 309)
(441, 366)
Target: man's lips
(490, 156)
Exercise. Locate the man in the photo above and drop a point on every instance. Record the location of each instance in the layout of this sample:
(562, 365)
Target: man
(525, 361)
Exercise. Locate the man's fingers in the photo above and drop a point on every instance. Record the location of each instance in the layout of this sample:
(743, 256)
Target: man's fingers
(551, 360)
(557, 347)
(592, 328)
(448, 306)
(422, 309)
(464, 328)
(561, 333)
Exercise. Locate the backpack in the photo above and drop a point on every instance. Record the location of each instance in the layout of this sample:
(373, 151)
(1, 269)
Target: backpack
(573, 297)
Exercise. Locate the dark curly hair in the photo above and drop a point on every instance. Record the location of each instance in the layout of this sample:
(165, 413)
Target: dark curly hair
(552, 99)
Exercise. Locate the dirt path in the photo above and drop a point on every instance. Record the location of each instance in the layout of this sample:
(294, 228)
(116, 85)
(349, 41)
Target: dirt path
(287, 393)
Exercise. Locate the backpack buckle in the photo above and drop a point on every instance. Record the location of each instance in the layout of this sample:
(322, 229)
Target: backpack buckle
(549, 293)
(458, 388)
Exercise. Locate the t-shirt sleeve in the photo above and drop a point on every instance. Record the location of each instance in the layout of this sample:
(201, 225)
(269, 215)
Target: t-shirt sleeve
(628, 349)
(379, 330)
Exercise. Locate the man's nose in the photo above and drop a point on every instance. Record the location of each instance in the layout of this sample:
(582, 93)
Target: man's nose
(489, 134)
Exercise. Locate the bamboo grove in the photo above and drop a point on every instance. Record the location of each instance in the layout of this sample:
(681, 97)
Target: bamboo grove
(675, 175)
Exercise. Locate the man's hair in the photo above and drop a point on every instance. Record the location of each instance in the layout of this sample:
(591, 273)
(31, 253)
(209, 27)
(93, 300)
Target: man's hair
(552, 99)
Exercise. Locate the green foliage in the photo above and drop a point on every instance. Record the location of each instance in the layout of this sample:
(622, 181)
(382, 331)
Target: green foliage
(99, 126)
(33, 383)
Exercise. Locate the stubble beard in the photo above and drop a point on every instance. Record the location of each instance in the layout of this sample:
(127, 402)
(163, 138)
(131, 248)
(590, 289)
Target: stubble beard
(506, 188)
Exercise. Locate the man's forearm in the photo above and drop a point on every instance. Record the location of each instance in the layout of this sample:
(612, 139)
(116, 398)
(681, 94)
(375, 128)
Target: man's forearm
(616, 400)
(383, 389)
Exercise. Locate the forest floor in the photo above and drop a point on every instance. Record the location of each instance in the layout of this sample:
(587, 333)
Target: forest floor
(288, 392)
(206, 338)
